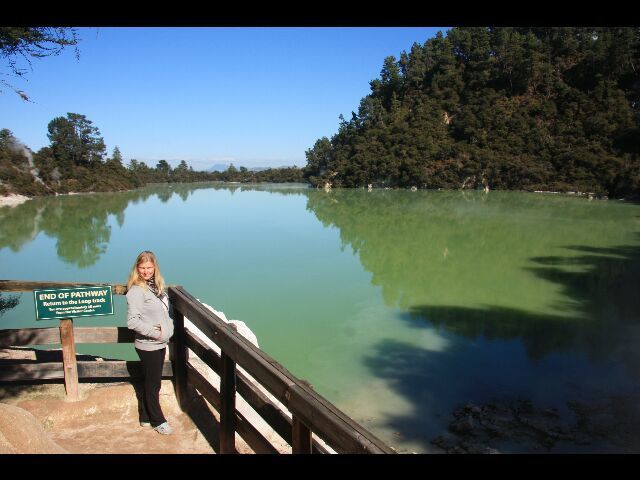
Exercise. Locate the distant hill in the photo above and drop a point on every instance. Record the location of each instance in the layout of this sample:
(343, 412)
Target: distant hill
(219, 167)
(262, 169)
(223, 167)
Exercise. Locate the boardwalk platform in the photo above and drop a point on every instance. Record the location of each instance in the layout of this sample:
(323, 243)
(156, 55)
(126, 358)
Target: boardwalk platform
(226, 394)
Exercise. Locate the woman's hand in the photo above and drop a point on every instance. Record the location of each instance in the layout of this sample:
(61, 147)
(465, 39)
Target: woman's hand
(159, 328)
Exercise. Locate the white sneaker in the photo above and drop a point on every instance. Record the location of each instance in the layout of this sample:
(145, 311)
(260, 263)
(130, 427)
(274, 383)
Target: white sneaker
(145, 424)
(164, 429)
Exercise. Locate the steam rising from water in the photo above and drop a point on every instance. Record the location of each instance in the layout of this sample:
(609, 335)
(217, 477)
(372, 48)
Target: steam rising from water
(19, 147)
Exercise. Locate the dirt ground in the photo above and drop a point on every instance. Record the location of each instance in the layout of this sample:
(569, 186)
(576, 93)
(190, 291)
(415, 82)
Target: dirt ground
(39, 419)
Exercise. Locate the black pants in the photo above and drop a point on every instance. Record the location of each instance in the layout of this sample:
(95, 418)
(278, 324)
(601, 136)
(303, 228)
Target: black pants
(152, 362)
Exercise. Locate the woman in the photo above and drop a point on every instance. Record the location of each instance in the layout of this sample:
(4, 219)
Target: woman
(148, 316)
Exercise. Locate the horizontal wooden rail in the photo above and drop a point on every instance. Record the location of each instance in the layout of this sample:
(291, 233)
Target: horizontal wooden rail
(263, 405)
(322, 417)
(29, 336)
(46, 336)
(16, 372)
(104, 335)
(27, 286)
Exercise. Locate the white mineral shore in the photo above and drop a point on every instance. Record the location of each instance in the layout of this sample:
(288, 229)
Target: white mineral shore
(12, 200)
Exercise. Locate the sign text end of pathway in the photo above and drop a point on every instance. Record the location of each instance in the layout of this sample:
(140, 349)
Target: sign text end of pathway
(58, 303)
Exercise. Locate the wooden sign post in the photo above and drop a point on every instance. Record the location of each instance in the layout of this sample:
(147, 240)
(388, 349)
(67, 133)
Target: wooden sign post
(69, 359)
(61, 303)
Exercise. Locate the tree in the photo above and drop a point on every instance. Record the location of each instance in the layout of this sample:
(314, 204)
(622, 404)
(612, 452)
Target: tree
(6, 138)
(164, 170)
(319, 158)
(142, 173)
(390, 82)
(181, 172)
(25, 43)
(114, 174)
(116, 156)
(75, 141)
(136, 166)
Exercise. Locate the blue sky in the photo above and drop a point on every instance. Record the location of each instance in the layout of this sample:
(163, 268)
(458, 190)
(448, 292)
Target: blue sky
(251, 96)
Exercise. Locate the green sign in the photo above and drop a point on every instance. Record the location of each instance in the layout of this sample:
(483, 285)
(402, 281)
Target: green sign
(73, 302)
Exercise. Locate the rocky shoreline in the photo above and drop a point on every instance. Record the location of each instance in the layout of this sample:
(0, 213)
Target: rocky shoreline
(12, 200)
(611, 425)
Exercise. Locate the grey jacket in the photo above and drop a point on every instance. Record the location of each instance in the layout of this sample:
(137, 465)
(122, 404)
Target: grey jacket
(145, 313)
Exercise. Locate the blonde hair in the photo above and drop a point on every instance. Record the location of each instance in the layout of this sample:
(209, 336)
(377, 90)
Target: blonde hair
(135, 279)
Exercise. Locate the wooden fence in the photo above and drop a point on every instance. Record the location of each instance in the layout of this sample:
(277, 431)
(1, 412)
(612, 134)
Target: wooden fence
(311, 414)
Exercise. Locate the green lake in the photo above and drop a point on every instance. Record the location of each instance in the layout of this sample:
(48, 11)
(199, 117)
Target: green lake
(397, 306)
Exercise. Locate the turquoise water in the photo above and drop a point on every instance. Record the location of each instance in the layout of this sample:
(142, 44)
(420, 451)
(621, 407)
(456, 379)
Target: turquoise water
(398, 306)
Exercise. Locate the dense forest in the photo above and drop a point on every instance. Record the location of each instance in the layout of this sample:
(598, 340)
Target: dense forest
(76, 161)
(503, 108)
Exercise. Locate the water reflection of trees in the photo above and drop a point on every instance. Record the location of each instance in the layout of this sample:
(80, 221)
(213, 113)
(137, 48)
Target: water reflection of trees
(7, 302)
(274, 188)
(80, 223)
(430, 253)
(411, 243)
(603, 290)
(184, 190)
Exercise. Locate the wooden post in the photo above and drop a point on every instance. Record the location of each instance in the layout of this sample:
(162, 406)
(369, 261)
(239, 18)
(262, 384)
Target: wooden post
(227, 405)
(69, 359)
(180, 360)
(301, 437)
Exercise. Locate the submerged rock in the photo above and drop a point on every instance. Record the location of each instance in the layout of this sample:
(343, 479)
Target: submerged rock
(519, 426)
(462, 425)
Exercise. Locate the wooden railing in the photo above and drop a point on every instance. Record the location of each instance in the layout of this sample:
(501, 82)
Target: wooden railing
(311, 414)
